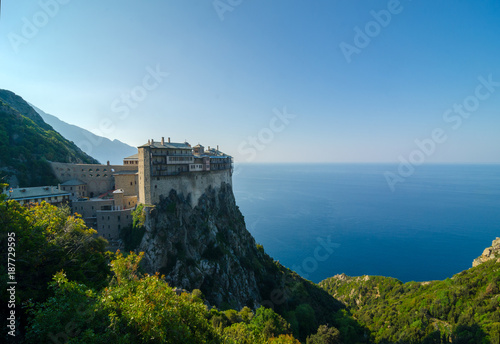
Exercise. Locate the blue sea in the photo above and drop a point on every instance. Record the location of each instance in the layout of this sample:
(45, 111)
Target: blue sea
(325, 219)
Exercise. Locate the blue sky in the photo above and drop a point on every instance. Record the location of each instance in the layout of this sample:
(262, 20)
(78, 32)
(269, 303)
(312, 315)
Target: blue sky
(266, 80)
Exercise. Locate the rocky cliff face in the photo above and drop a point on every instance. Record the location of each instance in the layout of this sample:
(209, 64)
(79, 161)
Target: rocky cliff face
(492, 252)
(206, 247)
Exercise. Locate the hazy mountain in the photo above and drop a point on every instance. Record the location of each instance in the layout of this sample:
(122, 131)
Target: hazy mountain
(27, 143)
(101, 148)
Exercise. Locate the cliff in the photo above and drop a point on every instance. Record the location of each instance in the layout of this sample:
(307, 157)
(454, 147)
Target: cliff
(492, 252)
(208, 247)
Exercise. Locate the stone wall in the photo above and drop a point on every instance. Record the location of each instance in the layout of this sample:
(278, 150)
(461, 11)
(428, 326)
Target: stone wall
(126, 182)
(144, 175)
(88, 209)
(99, 178)
(110, 222)
(190, 183)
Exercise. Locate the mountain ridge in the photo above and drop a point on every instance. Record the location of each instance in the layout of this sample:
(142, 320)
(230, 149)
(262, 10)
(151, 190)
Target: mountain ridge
(102, 148)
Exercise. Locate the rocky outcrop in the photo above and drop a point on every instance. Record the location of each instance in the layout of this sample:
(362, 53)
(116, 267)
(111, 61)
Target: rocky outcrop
(206, 247)
(492, 252)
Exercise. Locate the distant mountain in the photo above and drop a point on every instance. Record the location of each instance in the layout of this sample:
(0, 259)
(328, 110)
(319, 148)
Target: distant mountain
(27, 143)
(103, 149)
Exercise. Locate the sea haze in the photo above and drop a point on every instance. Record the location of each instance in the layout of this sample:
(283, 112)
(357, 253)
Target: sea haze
(432, 226)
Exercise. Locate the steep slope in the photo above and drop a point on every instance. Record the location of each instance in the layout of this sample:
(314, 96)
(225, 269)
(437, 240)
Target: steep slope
(101, 148)
(209, 248)
(27, 143)
(465, 308)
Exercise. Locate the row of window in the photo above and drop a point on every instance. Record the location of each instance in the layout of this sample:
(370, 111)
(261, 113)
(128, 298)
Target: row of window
(83, 169)
(118, 217)
(180, 158)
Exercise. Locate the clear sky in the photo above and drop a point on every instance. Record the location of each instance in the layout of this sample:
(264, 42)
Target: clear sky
(283, 80)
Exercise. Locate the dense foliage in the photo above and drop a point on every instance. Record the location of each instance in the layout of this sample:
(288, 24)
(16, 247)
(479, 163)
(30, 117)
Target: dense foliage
(461, 309)
(46, 240)
(145, 309)
(27, 144)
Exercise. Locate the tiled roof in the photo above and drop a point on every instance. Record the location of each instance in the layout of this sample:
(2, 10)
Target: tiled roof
(171, 145)
(132, 157)
(125, 172)
(35, 192)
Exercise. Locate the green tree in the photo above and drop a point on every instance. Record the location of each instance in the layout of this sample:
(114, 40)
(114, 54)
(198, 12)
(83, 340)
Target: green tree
(325, 335)
(269, 323)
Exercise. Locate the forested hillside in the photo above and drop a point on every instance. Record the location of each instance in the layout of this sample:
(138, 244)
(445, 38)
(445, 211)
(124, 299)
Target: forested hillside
(461, 309)
(27, 143)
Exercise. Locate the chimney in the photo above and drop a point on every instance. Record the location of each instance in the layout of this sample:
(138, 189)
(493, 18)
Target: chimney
(108, 163)
(152, 141)
(149, 142)
(208, 147)
(217, 148)
(169, 140)
(162, 140)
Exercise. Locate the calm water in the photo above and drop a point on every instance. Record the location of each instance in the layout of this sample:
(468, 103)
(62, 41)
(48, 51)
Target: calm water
(431, 227)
